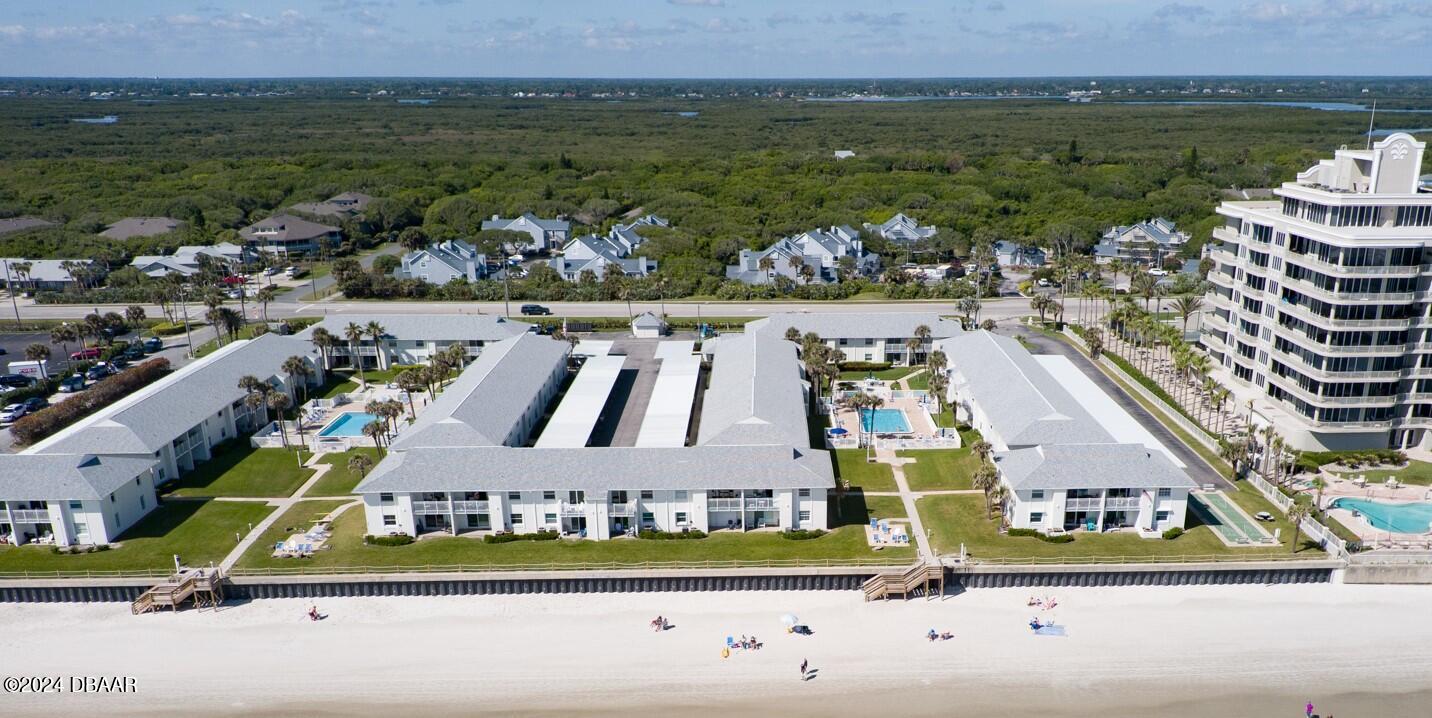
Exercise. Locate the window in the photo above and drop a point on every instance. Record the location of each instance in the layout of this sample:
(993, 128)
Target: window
(1037, 494)
(549, 518)
(549, 495)
(141, 504)
(648, 518)
(111, 498)
(77, 505)
(390, 520)
(1161, 516)
(804, 516)
(514, 496)
(515, 519)
(1165, 493)
(646, 496)
(81, 530)
(680, 518)
(1036, 517)
(680, 495)
(803, 492)
(385, 498)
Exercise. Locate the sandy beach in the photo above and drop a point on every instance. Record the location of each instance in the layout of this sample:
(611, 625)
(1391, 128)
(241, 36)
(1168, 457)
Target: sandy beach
(1167, 651)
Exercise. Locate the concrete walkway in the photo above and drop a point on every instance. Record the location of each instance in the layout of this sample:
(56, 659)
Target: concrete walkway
(281, 507)
(907, 497)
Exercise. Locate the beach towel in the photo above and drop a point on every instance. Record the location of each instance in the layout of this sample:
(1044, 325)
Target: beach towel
(1050, 631)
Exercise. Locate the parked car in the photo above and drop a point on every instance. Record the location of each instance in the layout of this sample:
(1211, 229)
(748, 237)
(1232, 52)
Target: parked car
(16, 381)
(119, 363)
(153, 344)
(72, 383)
(85, 354)
(270, 271)
(35, 403)
(3, 351)
(535, 310)
(11, 413)
(99, 371)
(133, 352)
(293, 272)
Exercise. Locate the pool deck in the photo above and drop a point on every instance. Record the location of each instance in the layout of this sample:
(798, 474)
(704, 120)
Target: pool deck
(1343, 486)
(915, 415)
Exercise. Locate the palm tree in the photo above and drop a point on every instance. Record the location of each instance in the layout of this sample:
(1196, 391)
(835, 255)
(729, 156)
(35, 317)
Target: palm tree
(793, 335)
(63, 334)
(936, 362)
(1040, 303)
(938, 385)
(767, 264)
(296, 367)
(873, 403)
(1296, 513)
(134, 315)
(1115, 266)
(359, 464)
(922, 335)
(324, 341)
(266, 294)
(410, 382)
(1095, 341)
(39, 352)
(279, 403)
(970, 308)
(376, 331)
(374, 430)
(986, 478)
(999, 496)
(354, 334)
(1187, 305)
(256, 401)
(982, 449)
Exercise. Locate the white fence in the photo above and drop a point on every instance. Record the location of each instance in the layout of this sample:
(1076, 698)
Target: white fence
(1314, 530)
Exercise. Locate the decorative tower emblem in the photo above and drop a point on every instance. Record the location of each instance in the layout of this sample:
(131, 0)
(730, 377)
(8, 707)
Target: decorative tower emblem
(1399, 151)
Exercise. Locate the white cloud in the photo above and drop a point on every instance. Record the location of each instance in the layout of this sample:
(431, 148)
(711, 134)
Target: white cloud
(698, 3)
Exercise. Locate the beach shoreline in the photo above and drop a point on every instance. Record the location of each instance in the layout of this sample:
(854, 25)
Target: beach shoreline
(1169, 651)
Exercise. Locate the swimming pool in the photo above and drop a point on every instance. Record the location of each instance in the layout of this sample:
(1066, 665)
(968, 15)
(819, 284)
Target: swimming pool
(1400, 518)
(885, 421)
(349, 424)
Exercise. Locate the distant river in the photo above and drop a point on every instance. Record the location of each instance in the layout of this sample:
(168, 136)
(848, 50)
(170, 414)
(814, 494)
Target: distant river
(1327, 106)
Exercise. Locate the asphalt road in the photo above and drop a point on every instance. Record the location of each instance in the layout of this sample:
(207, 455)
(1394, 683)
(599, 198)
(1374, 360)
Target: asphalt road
(1199, 471)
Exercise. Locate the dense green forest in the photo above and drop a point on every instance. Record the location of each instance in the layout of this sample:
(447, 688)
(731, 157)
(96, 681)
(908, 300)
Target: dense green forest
(739, 173)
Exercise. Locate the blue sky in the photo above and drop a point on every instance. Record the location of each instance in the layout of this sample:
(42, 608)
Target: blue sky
(712, 38)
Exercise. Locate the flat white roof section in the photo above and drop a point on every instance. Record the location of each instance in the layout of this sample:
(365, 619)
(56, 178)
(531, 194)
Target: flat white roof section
(592, 348)
(571, 424)
(676, 349)
(1112, 417)
(668, 414)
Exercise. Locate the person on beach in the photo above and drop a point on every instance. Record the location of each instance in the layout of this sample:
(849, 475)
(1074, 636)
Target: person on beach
(932, 635)
(313, 613)
(804, 666)
(1308, 710)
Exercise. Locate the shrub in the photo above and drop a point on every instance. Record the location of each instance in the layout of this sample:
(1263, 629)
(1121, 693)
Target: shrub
(1173, 533)
(802, 534)
(389, 540)
(165, 329)
(864, 365)
(509, 538)
(671, 535)
(1031, 533)
(34, 427)
(41, 389)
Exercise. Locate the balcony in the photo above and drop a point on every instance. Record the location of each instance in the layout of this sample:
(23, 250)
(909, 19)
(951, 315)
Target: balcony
(469, 507)
(1318, 400)
(626, 509)
(1122, 503)
(431, 507)
(723, 504)
(1084, 504)
(1336, 297)
(574, 509)
(31, 516)
(1320, 320)
(760, 503)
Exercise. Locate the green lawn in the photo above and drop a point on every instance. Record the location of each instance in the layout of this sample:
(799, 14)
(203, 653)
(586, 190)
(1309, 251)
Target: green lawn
(1416, 472)
(348, 549)
(956, 520)
(942, 469)
(855, 508)
(339, 481)
(299, 518)
(240, 470)
(894, 372)
(919, 382)
(850, 465)
(199, 531)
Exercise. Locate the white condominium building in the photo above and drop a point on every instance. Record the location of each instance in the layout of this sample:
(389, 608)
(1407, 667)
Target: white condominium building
(1319, 301)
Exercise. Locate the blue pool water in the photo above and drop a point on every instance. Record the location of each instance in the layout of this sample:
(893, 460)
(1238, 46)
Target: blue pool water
(350, 424)
(885, 421)
(1400, 518)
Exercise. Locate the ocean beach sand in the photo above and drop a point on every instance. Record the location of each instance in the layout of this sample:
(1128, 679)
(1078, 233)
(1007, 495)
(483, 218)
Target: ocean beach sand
(1166, 651)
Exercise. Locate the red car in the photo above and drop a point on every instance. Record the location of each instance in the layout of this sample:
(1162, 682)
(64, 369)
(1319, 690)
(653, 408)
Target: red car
(85, 354)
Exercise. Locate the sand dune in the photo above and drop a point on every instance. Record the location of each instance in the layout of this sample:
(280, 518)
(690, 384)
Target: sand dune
(1168, 651)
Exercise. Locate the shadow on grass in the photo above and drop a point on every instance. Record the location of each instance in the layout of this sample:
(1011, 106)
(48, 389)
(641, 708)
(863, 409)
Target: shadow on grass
(164, 519)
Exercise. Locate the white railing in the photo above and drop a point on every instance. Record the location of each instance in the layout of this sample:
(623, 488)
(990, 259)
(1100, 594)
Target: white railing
(431, 507)
(1318, 532)
(469, 507)
(760, 503)
(1122, 503)
(723, 504)
(626, 509)
(574, 509)
(1081, 504)
(30, 516)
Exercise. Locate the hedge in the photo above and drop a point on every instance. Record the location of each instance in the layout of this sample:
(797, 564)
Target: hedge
(389, 540)
(1046, 538)
(34, 427)
(671, 535)
(509, 538)
(166, 329)
(1173, 533)
(802, 534)
(864, 365)
(1352, 459)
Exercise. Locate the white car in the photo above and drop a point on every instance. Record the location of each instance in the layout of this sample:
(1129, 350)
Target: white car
(12, 413)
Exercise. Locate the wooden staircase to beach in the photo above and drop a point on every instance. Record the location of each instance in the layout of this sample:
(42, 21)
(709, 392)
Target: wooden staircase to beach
(923, 577)
(204, 587)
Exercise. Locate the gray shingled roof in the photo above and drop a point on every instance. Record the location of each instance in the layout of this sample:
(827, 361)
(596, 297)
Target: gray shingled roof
(145, 421)
(15, 224)
(490, 397)
(840, 325)
(756, 394)
(30, 477)
(546, 224)
(1090, 466)
(140, 227)
(1024, 402)
(290, 229)
(427, 327)
(647, 320)
(599, 469)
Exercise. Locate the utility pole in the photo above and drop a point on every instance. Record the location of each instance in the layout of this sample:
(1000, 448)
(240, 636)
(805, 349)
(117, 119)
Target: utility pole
(184, 305)
(506, 298)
